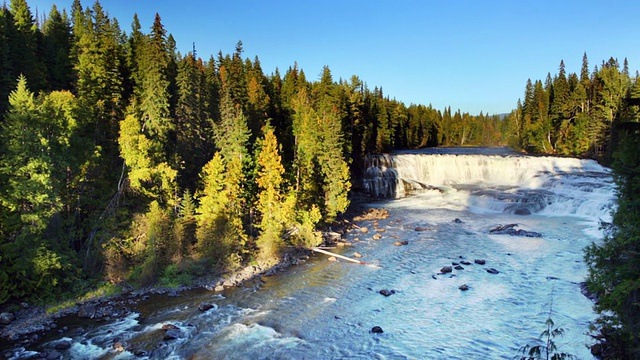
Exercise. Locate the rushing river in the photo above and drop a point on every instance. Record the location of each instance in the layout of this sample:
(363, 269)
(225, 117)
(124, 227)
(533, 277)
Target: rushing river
(326, 310)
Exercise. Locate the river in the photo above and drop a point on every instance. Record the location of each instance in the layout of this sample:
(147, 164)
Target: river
(443, 204)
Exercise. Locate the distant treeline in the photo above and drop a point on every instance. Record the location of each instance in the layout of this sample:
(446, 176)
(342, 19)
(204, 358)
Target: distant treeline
(124, 160)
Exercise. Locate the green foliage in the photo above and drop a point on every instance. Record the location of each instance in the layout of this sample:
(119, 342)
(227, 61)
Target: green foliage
(173, 277)
(547, 350)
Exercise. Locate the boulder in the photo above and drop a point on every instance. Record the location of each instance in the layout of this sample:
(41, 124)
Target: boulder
(87, 311)
(204, 306)
(464, 287)
(419, 228)
(386, 292)
(400, 243)
(457, 221)
(364, 229)
(7, 318)
(332, 258)
(166, 327)
(446, 269)
(480, 261)
(357, 254)
(458, 267)
(492, 271)
(376, 330)
(377, 237)
(464, 262)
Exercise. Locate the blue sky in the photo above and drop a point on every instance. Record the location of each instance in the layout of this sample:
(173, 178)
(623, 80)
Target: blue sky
(470, 55)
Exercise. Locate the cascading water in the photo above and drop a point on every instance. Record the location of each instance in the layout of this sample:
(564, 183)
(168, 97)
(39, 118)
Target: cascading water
(501, 180)
(326, 310)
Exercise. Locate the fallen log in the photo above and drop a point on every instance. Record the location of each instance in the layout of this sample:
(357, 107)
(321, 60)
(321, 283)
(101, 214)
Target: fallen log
(316, 249)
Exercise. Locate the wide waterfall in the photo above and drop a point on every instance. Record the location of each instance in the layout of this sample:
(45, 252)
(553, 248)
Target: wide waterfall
(442, 284)
(501, 179)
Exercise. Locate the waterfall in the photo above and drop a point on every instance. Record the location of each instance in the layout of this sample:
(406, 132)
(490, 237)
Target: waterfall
(496, 180)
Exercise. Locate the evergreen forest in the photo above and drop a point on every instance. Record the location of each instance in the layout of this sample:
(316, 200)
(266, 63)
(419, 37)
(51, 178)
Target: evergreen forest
(123, 160)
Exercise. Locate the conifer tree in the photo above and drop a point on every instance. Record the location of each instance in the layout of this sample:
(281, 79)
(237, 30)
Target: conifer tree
(271, 204)
(57, 50)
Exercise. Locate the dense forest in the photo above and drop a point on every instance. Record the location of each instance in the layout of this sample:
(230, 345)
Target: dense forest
(123, 160)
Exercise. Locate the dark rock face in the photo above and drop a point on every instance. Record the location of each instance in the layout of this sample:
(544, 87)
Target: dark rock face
(522, 211)
(509, 229)
(376, 330)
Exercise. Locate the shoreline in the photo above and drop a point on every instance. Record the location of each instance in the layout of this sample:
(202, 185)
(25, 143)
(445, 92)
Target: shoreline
(33, 325)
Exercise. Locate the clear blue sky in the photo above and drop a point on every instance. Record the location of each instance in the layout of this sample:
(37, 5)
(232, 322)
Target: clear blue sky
(470, 55)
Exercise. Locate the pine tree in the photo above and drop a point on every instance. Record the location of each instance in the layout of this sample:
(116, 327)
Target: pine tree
(56, 49)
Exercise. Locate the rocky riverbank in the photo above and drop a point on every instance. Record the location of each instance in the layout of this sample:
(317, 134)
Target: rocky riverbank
(30, 325)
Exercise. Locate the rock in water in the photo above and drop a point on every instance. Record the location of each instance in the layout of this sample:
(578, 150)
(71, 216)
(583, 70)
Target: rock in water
(446, 269)
(63, 345)
(463, 287)
(386, 292)
(493, 271)
(480, 261)
(206, 306)
(376, 330)
(171, 334)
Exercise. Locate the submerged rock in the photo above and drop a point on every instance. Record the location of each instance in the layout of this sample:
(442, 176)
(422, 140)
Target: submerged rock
(464, 287)
(386, 292)
(446, 269)
(492, 271)
(480, 261)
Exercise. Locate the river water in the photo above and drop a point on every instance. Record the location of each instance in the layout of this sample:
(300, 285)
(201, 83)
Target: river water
(326, 310)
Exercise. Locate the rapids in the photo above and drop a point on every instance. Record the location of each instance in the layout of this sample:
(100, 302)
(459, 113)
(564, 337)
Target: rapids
(325, 310)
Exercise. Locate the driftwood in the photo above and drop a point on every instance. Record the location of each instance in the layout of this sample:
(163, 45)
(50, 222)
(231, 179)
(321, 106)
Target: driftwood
(316, 249)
